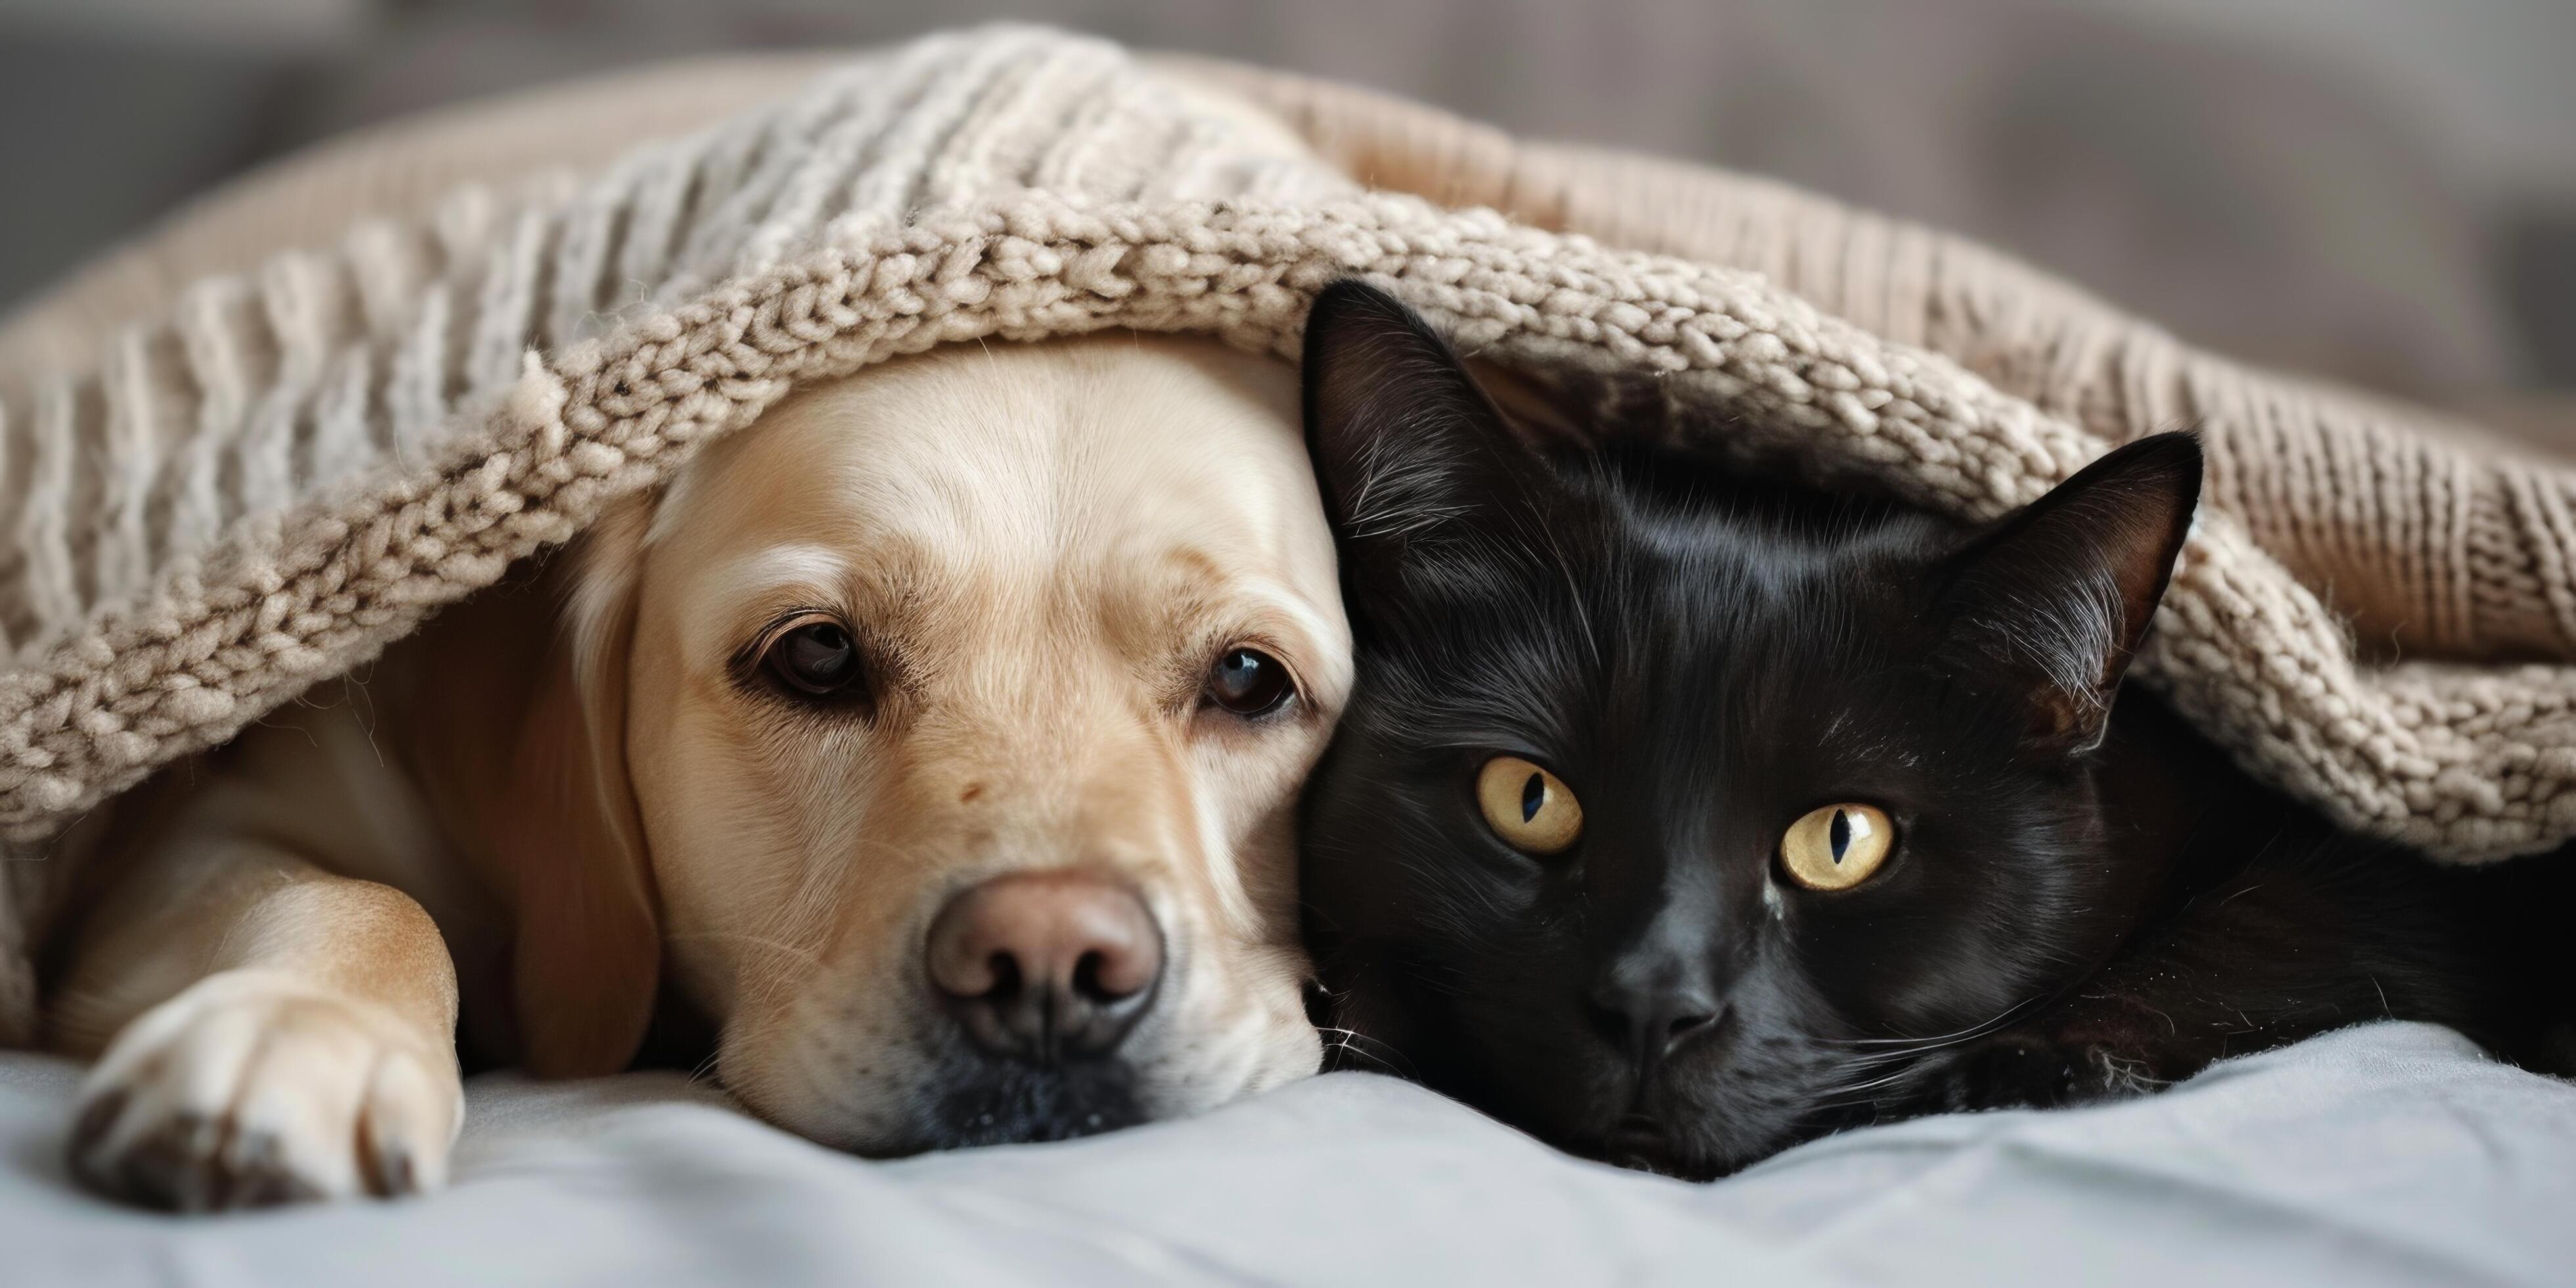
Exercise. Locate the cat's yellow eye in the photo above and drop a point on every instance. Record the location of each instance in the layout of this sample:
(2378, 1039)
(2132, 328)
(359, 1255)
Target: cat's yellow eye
(1837, 847)
(1531, 809)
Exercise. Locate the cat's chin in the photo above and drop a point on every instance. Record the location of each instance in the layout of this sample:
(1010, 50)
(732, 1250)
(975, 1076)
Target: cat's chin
(1657, 1159)
(1649, 1147)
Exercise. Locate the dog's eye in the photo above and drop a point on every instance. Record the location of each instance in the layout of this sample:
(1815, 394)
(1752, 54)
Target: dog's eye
(1249, 682)
(1837, 847)
(1531, 809)
(817, 659)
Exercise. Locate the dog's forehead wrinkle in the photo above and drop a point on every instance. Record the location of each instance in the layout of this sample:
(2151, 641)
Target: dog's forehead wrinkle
(911, 451)
(740, 582)
(1023, 486)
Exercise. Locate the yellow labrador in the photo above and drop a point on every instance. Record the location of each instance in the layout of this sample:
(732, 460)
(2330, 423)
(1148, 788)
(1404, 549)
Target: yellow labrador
(937, 739)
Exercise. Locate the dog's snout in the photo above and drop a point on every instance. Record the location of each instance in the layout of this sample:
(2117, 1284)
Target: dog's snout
(1048, 965)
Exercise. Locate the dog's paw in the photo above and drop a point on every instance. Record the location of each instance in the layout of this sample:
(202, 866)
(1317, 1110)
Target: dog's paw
(252, 1089)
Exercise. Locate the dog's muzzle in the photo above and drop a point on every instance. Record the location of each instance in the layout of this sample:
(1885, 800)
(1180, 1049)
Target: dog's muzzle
(1044, 974)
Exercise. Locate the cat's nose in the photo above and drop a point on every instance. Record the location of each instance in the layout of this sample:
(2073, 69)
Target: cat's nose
(1653, 1012)
(1043, 966)
(1665, 985)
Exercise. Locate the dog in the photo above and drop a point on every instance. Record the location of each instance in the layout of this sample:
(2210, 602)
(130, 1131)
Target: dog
(937, 740)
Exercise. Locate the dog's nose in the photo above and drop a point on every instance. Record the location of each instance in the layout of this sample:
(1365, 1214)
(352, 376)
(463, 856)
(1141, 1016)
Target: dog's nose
(1046, 965)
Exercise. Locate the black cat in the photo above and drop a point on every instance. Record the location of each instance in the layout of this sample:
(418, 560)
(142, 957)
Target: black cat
(1677, 818)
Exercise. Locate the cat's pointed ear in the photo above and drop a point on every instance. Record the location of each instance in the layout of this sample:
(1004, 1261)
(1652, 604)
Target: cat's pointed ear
(2058, 596)
(1416, 466)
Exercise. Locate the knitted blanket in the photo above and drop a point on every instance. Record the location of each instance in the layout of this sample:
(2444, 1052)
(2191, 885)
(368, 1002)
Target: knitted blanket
(266, 484)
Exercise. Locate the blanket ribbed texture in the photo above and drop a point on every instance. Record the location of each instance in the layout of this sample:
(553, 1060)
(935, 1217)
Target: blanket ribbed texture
(266, 487)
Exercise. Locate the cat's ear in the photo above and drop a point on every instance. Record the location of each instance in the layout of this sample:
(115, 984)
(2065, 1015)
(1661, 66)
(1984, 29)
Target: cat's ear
(1417, 468)
(2058, 595)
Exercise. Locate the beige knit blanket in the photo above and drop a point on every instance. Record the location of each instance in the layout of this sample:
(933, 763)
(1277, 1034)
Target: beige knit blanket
(206, 509)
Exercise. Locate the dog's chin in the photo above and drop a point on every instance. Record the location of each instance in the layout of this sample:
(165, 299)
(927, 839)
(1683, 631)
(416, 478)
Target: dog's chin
(1011, 1102)
(945, 1094)
(956, 1100)
(998, 1102)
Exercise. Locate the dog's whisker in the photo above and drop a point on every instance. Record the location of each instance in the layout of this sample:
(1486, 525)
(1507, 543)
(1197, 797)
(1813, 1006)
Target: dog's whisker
(803, 954)
(705, 1072)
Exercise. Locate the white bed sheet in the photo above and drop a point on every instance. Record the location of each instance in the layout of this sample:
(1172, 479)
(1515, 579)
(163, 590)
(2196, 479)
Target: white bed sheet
(2388, 1154)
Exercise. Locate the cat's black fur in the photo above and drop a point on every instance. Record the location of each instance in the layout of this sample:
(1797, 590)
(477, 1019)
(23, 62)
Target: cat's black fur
(2086, 900)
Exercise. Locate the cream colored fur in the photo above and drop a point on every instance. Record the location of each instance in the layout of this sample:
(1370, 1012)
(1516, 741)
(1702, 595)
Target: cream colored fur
(564, 791)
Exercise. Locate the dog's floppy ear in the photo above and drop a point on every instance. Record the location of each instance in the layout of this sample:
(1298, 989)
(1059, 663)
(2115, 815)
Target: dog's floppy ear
(2057, 597)
(1420, 476)
(588, 959)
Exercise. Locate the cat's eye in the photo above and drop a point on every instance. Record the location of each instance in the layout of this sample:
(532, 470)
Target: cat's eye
(814, 659)
(1531, 809)
(1837, 847)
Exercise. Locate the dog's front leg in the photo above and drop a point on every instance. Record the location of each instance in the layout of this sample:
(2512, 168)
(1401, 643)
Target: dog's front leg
(270, 1032)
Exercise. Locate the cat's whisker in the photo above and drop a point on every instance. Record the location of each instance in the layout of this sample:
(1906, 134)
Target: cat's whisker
(1908, 1046)
(1872, 1084)
(1352, 1040)
(1870, 1070)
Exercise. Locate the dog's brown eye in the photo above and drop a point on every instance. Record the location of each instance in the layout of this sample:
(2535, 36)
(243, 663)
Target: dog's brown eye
(818, 659)
(1249, 682)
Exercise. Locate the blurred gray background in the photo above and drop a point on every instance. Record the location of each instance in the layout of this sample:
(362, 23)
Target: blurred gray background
(2377, 190)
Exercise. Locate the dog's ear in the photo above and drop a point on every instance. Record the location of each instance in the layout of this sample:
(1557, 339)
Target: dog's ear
(1421, 477)
(2057, 597)
(588, 958)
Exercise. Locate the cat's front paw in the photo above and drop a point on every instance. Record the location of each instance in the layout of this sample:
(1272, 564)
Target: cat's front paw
(251, 1089)
(2010, 1075)
(2015, 1073)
